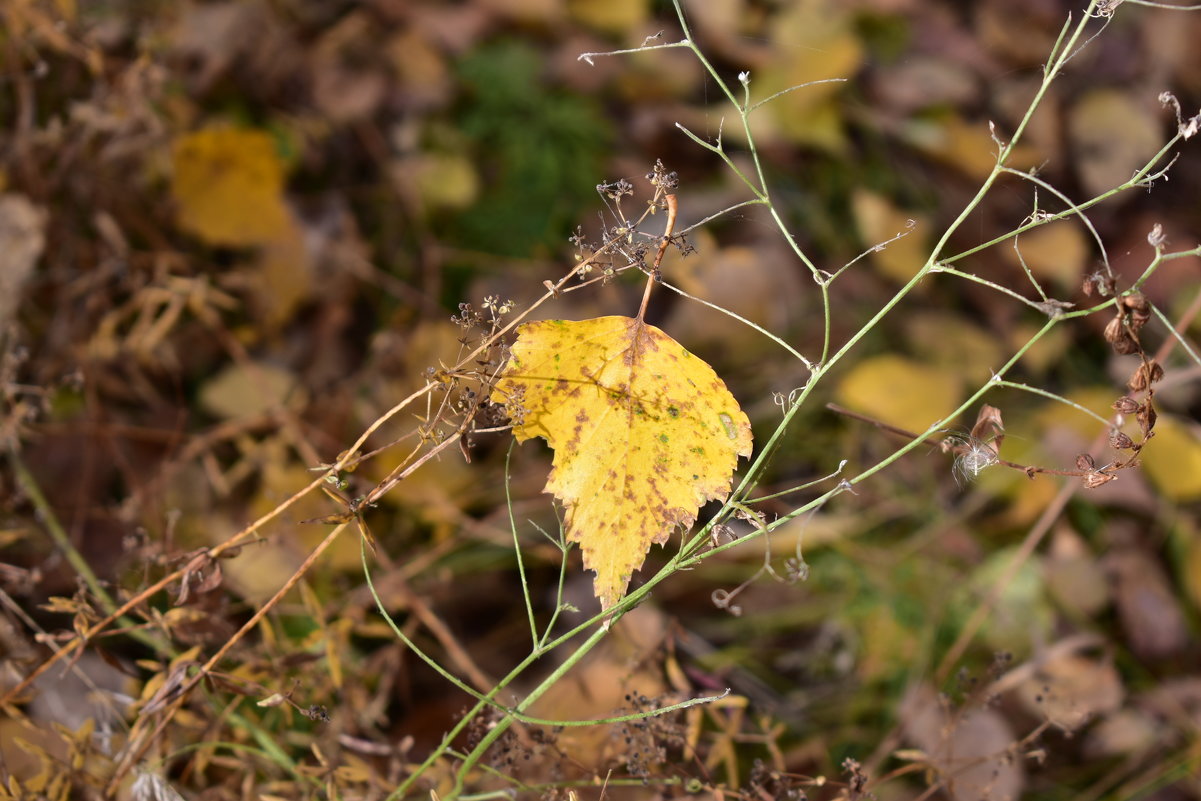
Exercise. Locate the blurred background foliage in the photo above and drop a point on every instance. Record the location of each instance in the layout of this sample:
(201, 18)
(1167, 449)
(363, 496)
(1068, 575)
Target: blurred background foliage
(232, 234)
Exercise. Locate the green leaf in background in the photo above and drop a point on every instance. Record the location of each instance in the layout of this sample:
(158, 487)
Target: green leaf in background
(538, 148)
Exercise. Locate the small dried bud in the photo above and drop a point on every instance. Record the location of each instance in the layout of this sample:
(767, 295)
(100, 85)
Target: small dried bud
(275, 699)
(1094, 480)
(1156, 238)
(1147, 374)
(1126, 405)
(989, 426)
(1085, 462)
(1120, 441)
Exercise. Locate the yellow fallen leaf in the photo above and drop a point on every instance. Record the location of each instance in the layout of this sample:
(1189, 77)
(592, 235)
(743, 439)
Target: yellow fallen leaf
(813, 40)
(1057, 252)
(1112, 134)
(967, 146)
(443, 180)
(880, 221)
(228, 186)
(901, 391)
(284, 279)
(952, 343)
(1097, 399)
(1044, 354)
(610, 16)
(643, 433)
(1173, 459)
(246, 390)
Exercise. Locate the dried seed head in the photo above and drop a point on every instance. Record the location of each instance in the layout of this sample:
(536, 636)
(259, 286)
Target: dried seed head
(974, 459)
(989, 427)
(1135, 301)
(1146, 418)
(1119, 336)
(1119, 441)
(1147, 374)
(1139, 309)
(1085, 462)
(1126, 405)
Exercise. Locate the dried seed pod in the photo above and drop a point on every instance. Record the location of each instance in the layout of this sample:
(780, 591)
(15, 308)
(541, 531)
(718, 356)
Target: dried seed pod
(1147, 374)
(989, 426)
(1119, 336)
(1146, 418)
(1085, 462)
(1126, 346)
(1120, 441)
(1139, 309)
(1094, 480)
(1126, 405)
(1136, 302)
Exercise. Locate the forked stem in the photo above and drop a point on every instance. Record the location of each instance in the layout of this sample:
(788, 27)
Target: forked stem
(672, 210)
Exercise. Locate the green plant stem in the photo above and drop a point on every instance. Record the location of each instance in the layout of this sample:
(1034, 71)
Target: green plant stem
(1004, 290)
(1052, 396)
(744, 109)
(159, 645)
(1135, 180)
(796, 354)
(508, 720)
(57, 533)
(525, 585)
(515, 714)
(1161, 257)
(691, 552)
(1180, 339)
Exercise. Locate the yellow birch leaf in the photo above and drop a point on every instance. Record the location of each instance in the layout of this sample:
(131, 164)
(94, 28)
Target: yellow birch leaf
(1056, 251)
(880, 221)
(643, 433)
(814, 40)
(228, 186)
(1173, 459)
(1111, 135)
(611, 16)
(901, 391)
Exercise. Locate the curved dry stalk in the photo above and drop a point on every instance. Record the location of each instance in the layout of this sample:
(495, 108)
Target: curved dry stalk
(139, 740)
(346, 459)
